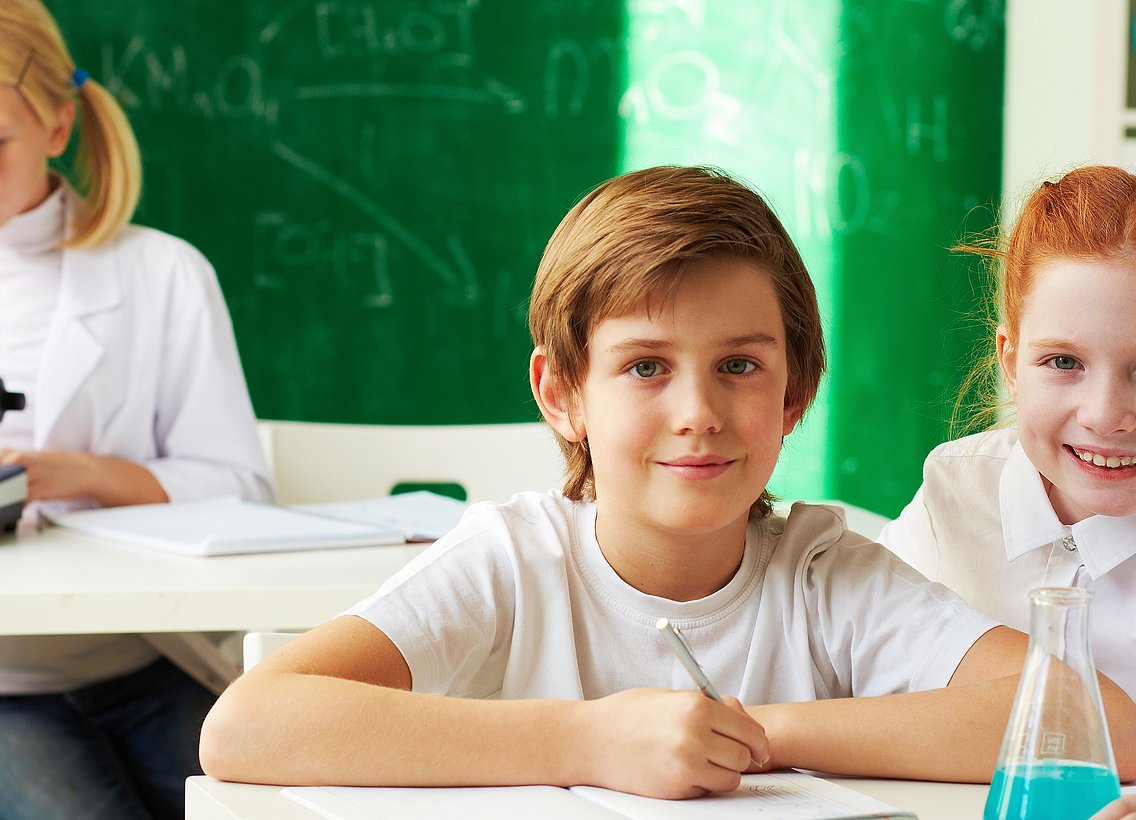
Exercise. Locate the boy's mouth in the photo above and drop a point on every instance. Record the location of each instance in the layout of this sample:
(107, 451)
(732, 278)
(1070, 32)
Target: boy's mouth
(697, 461)
(1101, 460)
(698, 467)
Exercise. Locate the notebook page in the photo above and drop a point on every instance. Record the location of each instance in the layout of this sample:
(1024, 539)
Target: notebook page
(222, 526)
(784, 795)
(488, 803)
(420, 516)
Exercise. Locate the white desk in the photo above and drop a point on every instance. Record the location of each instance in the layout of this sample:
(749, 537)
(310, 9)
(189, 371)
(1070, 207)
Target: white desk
(208, 799)
(56, 582)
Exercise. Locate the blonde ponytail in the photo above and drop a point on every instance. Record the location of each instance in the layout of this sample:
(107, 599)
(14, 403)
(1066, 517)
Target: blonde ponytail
(108, 171)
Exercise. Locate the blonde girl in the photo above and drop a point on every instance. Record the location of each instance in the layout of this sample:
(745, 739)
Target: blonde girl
(120, 339)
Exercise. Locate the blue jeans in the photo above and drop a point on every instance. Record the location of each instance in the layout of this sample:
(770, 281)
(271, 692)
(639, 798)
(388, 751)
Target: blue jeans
(118, 749)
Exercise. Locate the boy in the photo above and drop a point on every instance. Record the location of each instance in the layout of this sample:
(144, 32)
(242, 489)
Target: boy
(677, 342)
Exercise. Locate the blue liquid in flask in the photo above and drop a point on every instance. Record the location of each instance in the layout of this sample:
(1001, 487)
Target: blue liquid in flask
(1056, 790)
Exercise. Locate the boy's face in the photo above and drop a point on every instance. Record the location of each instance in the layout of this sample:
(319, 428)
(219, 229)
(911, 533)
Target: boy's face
(684, 409)
(1072, 374)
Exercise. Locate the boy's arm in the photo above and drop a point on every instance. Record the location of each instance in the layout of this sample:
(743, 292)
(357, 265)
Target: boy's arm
(951, 734)
(331, 707)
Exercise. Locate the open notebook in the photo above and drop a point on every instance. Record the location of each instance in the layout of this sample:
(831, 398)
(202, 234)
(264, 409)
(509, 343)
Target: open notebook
(775, 795)
(229, 526)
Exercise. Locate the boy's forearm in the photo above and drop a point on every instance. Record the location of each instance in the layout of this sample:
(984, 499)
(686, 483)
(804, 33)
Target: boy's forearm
(951, 734)
(313, 730)
(1120, 712)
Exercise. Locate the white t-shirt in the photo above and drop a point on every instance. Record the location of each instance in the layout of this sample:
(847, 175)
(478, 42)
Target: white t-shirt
(519, 602)
(982, 524)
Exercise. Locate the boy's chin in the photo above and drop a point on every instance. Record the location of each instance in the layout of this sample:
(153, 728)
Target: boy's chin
(695, 519)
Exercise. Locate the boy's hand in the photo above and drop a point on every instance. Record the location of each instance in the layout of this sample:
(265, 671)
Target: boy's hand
(670, 744)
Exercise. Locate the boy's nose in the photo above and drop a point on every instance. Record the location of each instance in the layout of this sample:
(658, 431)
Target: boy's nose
(697, 407)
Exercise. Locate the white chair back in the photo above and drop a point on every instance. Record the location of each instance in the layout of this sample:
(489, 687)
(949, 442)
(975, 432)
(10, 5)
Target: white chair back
(314, 463)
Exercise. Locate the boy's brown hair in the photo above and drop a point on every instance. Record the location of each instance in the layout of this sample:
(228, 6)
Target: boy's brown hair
(631, 239)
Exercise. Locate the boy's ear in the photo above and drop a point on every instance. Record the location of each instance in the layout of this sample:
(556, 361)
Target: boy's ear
(792, 416)
(555, 404)
(1007, 360)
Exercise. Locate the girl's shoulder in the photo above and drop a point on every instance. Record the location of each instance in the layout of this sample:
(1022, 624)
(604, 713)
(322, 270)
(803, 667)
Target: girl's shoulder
(152, 248)
(148, 261)
(989, 444)
(969, 467)
(134, 245)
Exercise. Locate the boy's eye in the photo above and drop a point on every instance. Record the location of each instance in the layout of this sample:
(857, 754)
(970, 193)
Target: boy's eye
(1063, 362)
(645, 370)
(738, 367)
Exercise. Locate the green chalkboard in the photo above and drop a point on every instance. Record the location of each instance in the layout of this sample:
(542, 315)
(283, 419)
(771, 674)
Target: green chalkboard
(920, 138)
(374, 181)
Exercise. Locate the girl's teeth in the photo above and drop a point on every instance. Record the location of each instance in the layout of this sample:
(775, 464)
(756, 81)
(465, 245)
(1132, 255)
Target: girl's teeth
(1109, 461)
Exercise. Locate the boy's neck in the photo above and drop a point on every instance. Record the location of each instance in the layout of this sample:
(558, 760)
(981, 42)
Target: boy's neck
(676, 566)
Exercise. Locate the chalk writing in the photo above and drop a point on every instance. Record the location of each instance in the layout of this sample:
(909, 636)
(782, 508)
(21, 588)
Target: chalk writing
(351, 256)
(457, 276)
(570, 72)
(974, 22)
(144, 77)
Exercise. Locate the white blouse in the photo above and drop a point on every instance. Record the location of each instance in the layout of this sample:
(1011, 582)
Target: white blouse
(982, 524)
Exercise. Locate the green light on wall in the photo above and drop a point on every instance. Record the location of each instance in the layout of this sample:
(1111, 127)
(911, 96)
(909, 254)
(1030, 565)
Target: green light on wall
(748, 87)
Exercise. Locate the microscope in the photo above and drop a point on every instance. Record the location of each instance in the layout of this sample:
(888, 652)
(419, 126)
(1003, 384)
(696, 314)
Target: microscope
(13, 479)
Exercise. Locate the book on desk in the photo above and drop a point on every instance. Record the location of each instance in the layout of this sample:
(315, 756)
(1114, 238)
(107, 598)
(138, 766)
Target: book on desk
(786, 794)
(230, 526)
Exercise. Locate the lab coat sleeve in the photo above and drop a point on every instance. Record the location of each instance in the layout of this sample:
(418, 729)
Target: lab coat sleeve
(204, 426)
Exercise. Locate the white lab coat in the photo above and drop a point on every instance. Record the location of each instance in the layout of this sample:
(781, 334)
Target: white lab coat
(140, 363)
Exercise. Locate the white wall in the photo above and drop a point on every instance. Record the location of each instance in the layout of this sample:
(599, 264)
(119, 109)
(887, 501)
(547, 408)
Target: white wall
(1065, 90)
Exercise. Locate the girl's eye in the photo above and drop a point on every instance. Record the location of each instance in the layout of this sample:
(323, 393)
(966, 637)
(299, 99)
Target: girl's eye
(1063, 362)
(645, 370)
(738, 367)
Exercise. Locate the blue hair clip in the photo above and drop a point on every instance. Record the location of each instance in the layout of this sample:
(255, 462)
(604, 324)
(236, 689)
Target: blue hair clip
(79, 77)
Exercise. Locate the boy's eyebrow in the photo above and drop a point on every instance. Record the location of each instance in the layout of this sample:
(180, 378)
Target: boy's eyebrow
(762, 339)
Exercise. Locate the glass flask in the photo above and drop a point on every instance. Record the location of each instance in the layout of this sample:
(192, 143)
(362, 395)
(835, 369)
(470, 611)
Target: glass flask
(1056, 757)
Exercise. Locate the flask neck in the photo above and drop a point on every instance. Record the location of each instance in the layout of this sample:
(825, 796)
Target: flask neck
(1059, 633)
(1059, 628)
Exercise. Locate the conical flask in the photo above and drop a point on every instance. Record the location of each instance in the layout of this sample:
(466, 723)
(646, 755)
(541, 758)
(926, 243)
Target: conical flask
(1056, 758)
